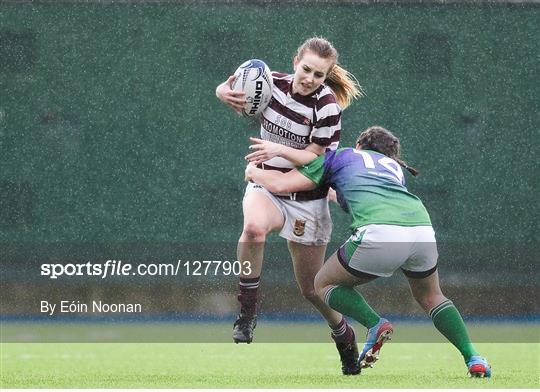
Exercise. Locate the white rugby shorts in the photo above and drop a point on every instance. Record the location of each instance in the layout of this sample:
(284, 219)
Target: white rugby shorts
(307, 222)
(378, 250)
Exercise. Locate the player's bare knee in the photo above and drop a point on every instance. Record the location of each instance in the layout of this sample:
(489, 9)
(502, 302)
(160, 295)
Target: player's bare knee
(318, 283)
(254, 232)
(320, 286)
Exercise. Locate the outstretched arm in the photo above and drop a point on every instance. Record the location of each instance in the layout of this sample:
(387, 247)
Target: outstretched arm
(277, 182)
(265, 150)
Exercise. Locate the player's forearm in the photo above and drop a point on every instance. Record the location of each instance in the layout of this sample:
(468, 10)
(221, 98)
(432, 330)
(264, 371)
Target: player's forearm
(272, 180)
(297, 157)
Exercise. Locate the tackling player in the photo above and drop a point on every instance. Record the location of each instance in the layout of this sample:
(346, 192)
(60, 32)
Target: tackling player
(391, 229)
(302, 120)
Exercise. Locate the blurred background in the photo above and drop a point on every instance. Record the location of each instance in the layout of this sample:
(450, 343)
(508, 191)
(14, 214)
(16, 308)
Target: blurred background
(113, 144)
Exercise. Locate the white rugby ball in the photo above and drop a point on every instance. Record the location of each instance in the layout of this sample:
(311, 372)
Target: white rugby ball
(254, 78)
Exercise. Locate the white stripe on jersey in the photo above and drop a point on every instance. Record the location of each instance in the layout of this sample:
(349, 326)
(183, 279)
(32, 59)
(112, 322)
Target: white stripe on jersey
(286, 100)
(290, 122)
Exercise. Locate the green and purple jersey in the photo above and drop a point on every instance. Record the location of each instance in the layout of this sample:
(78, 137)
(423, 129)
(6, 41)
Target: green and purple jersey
(369, 185)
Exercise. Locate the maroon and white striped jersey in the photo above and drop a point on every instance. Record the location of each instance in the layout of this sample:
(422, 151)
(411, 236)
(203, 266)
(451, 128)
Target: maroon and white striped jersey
(296, 121)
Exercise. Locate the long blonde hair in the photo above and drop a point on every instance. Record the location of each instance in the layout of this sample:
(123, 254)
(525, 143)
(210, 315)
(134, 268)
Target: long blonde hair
(343, 83)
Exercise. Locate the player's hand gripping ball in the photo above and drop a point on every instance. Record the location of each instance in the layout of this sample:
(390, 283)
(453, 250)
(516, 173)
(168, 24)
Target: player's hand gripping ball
(253, 78)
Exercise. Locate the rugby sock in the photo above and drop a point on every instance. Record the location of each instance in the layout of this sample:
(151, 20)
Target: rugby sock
(348, 301)
(342, 333)
(448, 321)
(249, 288)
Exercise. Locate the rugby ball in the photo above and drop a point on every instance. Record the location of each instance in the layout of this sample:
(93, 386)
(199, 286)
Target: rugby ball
(254, 78)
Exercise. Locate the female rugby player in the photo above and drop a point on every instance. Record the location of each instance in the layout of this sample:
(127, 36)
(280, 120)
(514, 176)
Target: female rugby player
(302, 120)
(391, 229)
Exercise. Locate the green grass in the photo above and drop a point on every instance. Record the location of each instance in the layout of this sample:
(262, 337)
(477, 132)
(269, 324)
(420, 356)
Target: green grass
(271, 365)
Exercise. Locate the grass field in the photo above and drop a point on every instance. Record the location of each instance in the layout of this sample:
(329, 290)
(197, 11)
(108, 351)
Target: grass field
(271, 365)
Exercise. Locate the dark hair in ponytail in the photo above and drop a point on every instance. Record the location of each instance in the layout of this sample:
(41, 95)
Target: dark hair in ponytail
(379, 139)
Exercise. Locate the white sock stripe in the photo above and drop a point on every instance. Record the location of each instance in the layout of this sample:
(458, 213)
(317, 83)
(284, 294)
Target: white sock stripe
(437, 309)
(340, 331)
(327, 294)
(435, 314)
(249, 285)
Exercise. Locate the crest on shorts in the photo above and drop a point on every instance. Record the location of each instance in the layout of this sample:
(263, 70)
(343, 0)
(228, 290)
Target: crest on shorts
(299, 227)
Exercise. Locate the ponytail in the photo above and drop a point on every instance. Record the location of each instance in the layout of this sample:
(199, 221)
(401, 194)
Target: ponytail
(344, 85)
(404, 165)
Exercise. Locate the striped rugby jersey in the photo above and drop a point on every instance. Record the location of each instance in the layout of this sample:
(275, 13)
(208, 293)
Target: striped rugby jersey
(369, 185)
(296, 121)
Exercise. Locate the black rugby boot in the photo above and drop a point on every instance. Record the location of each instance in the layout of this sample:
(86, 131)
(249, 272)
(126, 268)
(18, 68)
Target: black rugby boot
(348, 353)
(243, 328)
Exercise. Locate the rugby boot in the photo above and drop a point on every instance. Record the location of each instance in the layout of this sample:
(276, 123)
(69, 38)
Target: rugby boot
(375, 338)
(243, 328)
(348, 353)
(478, 367)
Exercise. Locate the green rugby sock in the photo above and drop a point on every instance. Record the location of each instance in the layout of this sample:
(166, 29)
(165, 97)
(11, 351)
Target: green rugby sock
(448, 321)
(349, 302)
